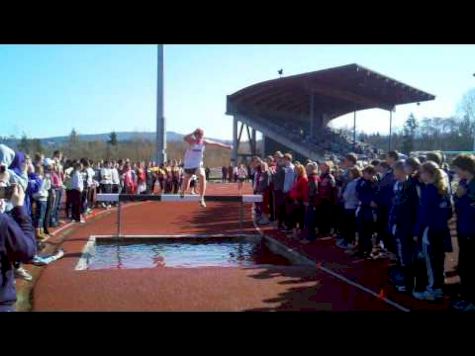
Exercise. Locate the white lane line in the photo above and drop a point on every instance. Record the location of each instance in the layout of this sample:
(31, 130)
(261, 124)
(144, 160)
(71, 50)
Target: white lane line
(339, 276)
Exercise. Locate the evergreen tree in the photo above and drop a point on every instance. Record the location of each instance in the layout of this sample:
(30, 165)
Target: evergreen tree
(36, 146)
(409, 133)
(73, 138)
(24, 144)
(112, 139)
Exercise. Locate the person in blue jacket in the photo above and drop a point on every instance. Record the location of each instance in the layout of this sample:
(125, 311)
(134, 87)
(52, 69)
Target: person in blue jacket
(366, 212)
(412, 166)
(34, 184)
(384, 196)
(17, 244)
(402, 218)
(432, 233)
(464, 167)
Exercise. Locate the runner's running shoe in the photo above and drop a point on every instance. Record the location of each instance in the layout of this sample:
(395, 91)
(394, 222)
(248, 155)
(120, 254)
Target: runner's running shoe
(23, 274)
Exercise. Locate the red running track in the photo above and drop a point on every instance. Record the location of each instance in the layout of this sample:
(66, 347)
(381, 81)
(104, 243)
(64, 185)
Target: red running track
(291, 288)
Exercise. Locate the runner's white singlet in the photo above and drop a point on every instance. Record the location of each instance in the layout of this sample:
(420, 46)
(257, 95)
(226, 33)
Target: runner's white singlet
(194, 156)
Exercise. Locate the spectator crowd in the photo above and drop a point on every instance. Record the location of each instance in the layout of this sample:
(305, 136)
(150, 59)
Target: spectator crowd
(391, 208)
(395, 208)
(57, 189)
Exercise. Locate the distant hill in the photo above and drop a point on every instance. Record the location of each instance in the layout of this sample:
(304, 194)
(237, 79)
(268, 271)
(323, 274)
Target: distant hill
(121, 136)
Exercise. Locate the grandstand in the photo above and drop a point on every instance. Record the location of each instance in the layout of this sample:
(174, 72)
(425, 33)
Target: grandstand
(293, 113)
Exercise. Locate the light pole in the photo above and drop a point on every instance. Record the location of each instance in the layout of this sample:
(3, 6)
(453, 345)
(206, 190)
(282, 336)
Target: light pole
(161, 142)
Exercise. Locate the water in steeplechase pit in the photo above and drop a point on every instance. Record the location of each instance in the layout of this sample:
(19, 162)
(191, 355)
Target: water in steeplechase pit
(181, 253)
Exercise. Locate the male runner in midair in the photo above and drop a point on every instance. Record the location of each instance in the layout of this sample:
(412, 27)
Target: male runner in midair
(193, 162)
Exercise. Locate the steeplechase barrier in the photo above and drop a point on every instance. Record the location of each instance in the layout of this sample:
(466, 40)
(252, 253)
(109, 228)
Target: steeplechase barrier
(122, 198)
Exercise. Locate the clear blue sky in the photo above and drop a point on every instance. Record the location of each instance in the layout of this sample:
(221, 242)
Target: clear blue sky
(47, 90)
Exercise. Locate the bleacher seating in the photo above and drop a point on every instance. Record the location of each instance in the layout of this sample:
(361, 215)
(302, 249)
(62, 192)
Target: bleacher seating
(327, 141)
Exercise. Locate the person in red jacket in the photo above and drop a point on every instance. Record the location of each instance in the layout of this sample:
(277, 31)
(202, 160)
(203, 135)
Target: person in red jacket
(141, 187)
(298, 196)
(310, 204)
(130, 184)
(326, 201)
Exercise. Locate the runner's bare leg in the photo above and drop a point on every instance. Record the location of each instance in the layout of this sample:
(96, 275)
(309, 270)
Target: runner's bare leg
(202, 187)
(186, 184)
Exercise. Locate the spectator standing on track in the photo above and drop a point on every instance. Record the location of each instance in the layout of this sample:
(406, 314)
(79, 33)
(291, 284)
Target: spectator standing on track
(366, 212)
(84, 193)
(464, 166)
(48, 168)
(58, 160)
(289, 179)
(326, 199)
(298, 196)
(150, 177)
(57, 185)
(77, 187)
(412, 166)
(68, 170)
(41, 200)
(242, 175)
(115, 178)
(278, 186)
(402, 219)
(176, 171)
(142, 179)
(162, 175)
(130, 184)
(350, 204)
(438, 157)
(310, 203)
(17, 244)
(432, 232)
(235, 173)
(90, 186)
(261, 183)
(384, 197)
(348, 163)
(224, 173)
(269, 194)
(106, 181)
(97, 176)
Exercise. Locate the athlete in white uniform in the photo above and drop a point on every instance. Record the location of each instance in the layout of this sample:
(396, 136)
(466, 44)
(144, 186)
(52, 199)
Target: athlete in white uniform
(193, 162)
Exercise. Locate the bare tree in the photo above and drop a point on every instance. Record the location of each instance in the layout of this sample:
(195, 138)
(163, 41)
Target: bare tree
(467, 110)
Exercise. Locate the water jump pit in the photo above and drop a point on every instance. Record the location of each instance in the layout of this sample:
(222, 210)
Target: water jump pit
(181, 251)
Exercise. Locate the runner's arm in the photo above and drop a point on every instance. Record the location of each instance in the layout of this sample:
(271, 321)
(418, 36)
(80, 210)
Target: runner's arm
(217, 144)
(190, 138)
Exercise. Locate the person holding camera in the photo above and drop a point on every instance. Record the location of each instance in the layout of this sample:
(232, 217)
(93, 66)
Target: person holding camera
(17, 244)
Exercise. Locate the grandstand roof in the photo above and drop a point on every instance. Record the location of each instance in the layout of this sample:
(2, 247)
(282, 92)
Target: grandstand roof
(337, 91)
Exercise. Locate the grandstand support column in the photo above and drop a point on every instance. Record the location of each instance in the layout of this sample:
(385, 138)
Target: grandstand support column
(254, 142)
(390, 129)
(354, 130)
(161, 141)
(316, 117)
(235, 140)
(312, 114)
